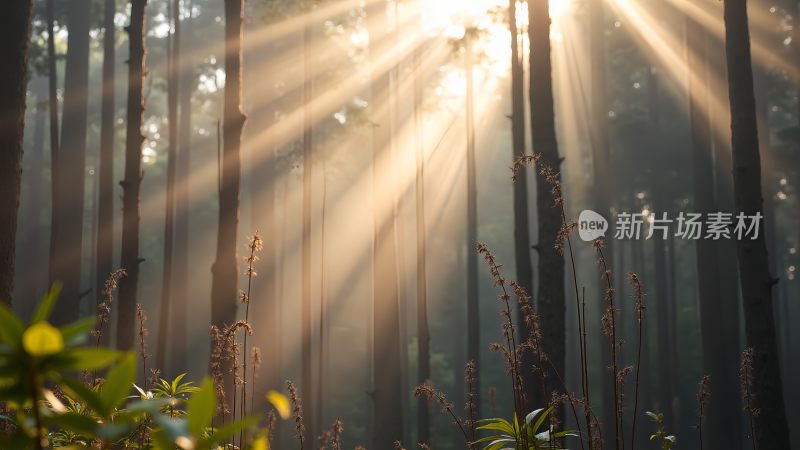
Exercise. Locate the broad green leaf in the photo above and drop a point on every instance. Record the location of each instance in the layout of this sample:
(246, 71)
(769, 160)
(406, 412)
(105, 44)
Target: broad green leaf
(118, 382)
(46, 305)
(176, 382)
(77, 333)
(201, 407)
(85, 395)
(87, 358)
(231, 429)
(172, 428)
(10, 327)
(542, 417)
(42, 339)
(280, 402)
(78, 423)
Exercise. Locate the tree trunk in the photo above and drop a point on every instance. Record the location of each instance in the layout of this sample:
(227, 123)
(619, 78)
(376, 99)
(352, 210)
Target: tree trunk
(473, 306)
(718, 331)
(225, 274)
(173, 90)
(16, 26)
(423, 332)
(180, 258)
(551, 296)
(522, 239)
(307, 389)
(52, 88)
(224, 282)
(31, 283)
(72, 164)
(771, 428)
(601, 161)
(129, 253)
(387, 395)
(105, 199)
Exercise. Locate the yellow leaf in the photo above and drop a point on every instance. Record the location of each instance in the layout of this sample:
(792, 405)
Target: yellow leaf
(42, 339)
(260, 444)
(280, 402)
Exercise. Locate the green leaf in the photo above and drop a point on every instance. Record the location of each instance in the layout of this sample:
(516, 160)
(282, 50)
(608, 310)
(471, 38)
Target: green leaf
(172, 428)
(10, 327)
(46, 305)
(499, 425)
(118, 382)
(85, 395)
(231, 429)
(201, 407)
(77, 333)
(78, 423)
(86, 359)
(541, 418)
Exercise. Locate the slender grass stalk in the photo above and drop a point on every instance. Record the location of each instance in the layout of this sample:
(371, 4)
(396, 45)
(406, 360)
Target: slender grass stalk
(508, 333)
(610, 329)
(297, 412)
(746, 380)
(428, 391)
(638, 296)
(703, 393)
(564, 236)
(255, 245)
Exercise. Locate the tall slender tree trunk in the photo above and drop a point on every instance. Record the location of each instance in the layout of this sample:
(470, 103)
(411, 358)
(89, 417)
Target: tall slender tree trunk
(307, 386)
(180, 258)
(173, 92)
(129, 253)
(16, 28)
(718, 330)
(603, 181)
(551, 296)
(224, 271)
(28, 263)
(52, 89)
(522, 238)
(387, 393)
(71, 163)
(423, 331)
(771, 428)
(105, 198)
(473, 306)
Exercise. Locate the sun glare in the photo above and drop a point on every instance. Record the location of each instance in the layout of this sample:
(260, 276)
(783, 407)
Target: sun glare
(559, 8)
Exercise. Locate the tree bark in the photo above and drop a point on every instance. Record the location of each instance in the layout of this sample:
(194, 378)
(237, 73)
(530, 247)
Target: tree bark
(224, 271)
(72, 164)
(52, 88)
(307, 387)
(387, 394)
(180, 259)
(105, 199)
(16, 26)
(173, 92)
(719, 357)
(551, 296)
(522, 238)
(29, 277)
(473, 306)
(423, 331)
(129, 254)
(771, 428)
(603, 182)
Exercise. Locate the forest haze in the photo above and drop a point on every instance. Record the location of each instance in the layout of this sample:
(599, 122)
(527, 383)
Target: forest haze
(429, 215)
